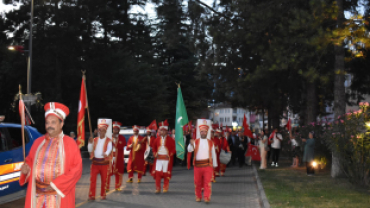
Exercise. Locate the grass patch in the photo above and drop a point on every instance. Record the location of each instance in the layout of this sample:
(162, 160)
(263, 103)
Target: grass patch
(287, 187)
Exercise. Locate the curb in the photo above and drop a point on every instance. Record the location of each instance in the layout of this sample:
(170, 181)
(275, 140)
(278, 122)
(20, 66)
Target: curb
(261, 192)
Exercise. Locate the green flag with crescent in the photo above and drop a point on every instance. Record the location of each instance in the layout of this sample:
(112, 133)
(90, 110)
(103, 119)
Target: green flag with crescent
(181, 120)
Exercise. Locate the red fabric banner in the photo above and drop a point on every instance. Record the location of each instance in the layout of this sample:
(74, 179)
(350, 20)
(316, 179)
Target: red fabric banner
(153, 125)
(247, 131)
(81, 116)
(254, 152)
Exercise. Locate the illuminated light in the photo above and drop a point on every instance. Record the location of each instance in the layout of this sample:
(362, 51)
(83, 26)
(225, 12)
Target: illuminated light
(2, 118)
(314, 164)
(368, 124)
(11, 48)
(234, 123)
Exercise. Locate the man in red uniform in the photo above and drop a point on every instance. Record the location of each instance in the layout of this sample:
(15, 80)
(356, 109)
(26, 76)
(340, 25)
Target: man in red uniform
(204, 161)
(100, 149)
(163, 149)
(150, 141)
(217, 144)
(225, 147)
(53, 165)
(136, 145)
(118, 162)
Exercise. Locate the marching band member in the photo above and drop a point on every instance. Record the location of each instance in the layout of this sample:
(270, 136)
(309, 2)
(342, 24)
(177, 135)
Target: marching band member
(163, 150)
(204, 161)
(100, 149)
(118, 160)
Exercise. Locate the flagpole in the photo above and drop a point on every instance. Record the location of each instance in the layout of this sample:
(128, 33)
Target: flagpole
(22, 125)
(87, 103)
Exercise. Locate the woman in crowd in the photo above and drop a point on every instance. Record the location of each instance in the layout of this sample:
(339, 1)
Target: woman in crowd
(263, 145)
(295, 151)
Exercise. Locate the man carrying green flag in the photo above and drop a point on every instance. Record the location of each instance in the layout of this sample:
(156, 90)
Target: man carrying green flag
(181, 120)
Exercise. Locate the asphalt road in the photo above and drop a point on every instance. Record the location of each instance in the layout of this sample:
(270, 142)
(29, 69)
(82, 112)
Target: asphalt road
(237, 189)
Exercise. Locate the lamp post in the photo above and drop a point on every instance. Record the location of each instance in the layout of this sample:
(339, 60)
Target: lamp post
(214, 113)
(29, 52)
(29, 61)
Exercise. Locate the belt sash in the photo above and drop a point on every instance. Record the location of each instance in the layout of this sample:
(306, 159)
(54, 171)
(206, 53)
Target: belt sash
(202, 163)
(44, 188)
(162, 157)
(100, 161)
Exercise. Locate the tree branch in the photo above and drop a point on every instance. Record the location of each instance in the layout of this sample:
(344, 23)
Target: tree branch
(210, 8)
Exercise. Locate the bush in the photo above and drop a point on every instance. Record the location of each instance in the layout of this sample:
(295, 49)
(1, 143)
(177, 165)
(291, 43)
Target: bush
(348, 138)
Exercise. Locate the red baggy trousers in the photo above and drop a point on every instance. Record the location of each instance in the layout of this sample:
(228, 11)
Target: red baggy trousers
(158, 177)
(202, 179)
(95, 170)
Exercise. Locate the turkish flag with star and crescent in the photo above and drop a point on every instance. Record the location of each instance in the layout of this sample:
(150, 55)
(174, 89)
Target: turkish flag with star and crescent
(253, 152)
(82, 104)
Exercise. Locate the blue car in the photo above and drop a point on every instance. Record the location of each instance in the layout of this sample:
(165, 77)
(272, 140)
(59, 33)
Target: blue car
(11, 158)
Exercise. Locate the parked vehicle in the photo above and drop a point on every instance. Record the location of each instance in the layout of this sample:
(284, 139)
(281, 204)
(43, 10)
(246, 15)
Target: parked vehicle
(11, 158)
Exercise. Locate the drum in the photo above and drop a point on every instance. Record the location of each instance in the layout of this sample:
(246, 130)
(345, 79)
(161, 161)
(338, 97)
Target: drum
(225, 157)
(149, 156)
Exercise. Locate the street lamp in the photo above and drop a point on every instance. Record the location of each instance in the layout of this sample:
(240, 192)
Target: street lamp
(214, 113)
(29, 61)
(29, 58)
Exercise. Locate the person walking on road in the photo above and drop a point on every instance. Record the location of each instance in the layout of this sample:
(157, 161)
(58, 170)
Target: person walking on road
(204, 161)
(217, 145)
(100, 149)
(53, 165)
(226, 148)
(163, 149)
(136, 145)
(118, 162)
(149, 144)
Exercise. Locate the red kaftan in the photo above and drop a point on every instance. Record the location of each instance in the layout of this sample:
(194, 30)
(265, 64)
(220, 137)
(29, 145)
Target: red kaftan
(69, 170)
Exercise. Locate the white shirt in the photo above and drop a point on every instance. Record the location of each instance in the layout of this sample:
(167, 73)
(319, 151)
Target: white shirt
(98, 153)
(294, 143)
(202, 153)
(276, 144)
(162, 149)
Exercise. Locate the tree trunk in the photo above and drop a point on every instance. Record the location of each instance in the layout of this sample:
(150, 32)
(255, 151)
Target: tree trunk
(263, 118)
(339, 90)
(269, 118)
(311, 111)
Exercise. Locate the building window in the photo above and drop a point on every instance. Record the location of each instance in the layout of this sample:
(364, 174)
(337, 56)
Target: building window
(221, 119)
(228, 119)
(234, 118)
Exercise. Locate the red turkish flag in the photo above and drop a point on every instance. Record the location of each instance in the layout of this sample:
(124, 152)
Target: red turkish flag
(253, 152)
(81, 117)
(247, 131)
(153, 125)
(289, 125)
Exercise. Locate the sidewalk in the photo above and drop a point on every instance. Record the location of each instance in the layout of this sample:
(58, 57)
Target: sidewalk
(237, 189)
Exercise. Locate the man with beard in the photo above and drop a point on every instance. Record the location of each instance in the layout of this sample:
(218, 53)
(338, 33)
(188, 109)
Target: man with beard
(118, 162)
(163, 149)
(100, 149)
(150, 141)
(204, 161)
(136, 145)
